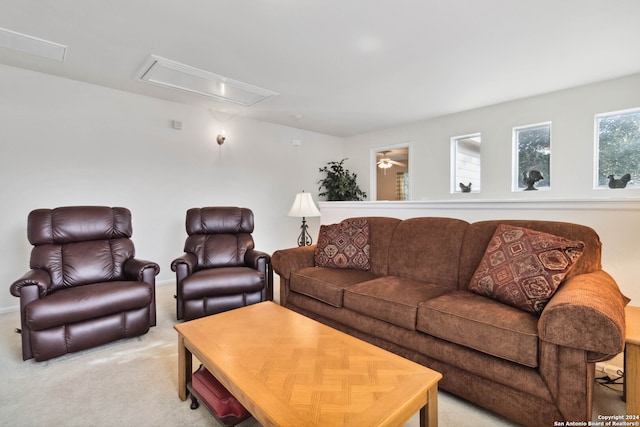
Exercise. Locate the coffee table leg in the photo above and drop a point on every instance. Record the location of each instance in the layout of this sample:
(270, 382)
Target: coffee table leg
(429, 412)
(184, 368)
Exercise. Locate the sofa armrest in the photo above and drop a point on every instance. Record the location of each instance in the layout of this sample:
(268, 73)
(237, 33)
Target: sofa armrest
(134, 268)
(587, 312)
(286, 261)
(36, 277)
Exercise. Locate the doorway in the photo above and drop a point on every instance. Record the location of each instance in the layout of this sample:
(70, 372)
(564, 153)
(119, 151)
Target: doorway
(390, 172)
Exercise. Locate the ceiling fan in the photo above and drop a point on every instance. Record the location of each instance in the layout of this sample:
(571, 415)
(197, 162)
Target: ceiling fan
(385, 162)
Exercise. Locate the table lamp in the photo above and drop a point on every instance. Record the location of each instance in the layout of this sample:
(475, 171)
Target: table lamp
(304, 207)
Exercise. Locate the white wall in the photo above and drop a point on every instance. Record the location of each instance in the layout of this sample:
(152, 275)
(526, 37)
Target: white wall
(570, 111)
(572, 164)
(68, 143)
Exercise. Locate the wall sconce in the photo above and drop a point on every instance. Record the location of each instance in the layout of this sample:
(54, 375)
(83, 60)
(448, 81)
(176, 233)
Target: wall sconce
(303, 207)
(220, 139)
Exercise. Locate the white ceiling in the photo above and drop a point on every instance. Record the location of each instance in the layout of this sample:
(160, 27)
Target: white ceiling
(341, 67)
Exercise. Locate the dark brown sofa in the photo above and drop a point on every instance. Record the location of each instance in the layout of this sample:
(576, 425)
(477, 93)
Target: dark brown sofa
(414, 301)
(85, 287)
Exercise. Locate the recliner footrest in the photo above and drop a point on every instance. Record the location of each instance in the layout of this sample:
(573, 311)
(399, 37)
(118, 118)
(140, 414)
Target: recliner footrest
(216, 398)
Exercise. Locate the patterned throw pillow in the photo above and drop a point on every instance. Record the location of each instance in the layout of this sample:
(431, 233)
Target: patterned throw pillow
(344, 245)
(523, 267)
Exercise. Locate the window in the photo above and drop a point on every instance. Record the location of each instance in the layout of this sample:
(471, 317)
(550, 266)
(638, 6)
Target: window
(532, 152)
(465, 163)
(618, 148)
(386, 162)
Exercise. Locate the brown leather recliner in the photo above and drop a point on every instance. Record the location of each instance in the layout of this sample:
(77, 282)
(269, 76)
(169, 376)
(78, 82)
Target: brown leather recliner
(85, 288)
(220, 269)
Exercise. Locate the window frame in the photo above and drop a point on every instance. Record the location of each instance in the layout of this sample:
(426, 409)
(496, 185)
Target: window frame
(515, 169)
(596, 147)
(373, 167)
(454, 181)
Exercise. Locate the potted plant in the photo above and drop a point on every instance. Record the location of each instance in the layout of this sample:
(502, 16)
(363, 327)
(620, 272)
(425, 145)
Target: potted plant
(340, 184)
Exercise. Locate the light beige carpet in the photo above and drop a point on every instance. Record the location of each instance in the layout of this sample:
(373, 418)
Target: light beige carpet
(134, 383)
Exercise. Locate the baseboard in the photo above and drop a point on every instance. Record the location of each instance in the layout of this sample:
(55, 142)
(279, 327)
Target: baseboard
(12, 309)
(613, 368)
(166, 282)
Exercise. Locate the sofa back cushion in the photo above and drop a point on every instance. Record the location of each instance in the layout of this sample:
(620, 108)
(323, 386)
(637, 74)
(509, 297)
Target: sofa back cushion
(381, 230)
(480, 233)
(78, 245)
(427, 249)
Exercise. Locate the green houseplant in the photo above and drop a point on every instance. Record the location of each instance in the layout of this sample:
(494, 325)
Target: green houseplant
(340, 184)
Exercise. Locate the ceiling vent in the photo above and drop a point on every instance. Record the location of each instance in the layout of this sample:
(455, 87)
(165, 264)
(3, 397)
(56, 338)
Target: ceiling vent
(172, 74)
(32, 45)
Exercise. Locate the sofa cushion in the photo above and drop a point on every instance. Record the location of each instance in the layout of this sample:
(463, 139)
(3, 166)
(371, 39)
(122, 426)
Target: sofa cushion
(344, 245)
(523, 267)
(87, 302)
(428, 249)
(326, 284)
(482, 324)
(391, 299)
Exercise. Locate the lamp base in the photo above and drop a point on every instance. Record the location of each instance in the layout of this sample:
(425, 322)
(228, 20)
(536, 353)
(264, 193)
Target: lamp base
(304, 239)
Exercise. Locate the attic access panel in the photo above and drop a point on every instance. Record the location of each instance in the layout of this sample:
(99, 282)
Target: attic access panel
(32, 45)
(175, 75)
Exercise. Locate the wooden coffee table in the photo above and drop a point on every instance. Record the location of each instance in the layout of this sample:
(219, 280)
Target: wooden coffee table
(632, 363)
(289, 370)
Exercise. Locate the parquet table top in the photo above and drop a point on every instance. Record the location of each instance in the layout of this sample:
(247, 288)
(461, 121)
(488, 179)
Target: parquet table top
(289, 370)
(632, 363)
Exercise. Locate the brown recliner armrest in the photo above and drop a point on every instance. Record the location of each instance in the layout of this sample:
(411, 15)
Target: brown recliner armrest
(37, 277)
(587, 312)
(187, 262)
(257, 259)
(134, 268)
(261, 261)
(286, 261)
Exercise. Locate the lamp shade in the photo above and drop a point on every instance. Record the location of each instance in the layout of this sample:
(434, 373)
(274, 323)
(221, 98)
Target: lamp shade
(303, 206)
